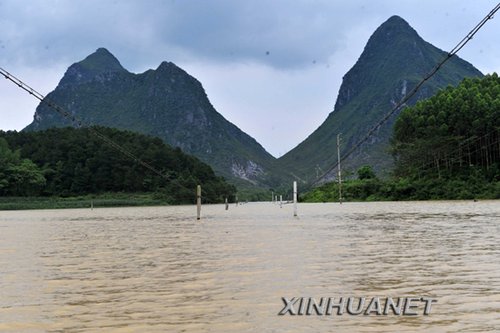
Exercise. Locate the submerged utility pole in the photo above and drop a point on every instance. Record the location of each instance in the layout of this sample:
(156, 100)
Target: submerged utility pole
(295, 198)
(198, 202)
(340, 172)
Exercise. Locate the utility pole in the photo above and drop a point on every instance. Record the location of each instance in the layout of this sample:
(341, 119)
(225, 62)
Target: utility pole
(198, 202)
(340, 172)
(294, 198)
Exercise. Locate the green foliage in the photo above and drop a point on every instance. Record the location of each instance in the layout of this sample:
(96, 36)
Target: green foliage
(18, 176)
(366, 172)
(352, 190)
(451, 135)
(69, 162)
(82, 201)
(396, 189)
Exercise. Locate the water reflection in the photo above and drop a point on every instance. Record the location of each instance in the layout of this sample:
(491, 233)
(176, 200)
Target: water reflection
(158, 269)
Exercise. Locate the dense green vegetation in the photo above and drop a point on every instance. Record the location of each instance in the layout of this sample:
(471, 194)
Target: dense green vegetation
(83, 201)
(396, 189)
(69, 162)
(446, 147)
(453, 134)
(18, 176)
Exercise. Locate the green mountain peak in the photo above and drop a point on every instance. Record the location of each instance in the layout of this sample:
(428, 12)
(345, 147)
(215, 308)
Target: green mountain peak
(101, 61)
(100, 65)
(395, 22)
(393, 61)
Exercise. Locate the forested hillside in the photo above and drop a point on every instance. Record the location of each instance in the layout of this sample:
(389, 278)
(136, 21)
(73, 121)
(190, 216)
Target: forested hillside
(68, 162)
(445, 147)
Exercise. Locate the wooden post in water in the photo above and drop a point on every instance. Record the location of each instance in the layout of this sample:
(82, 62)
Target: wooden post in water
(198, 202)
(281, 200)
(227, 205)
(236, 201)
(295, 198)
(340, 172)
(272, 196)
(91, 204)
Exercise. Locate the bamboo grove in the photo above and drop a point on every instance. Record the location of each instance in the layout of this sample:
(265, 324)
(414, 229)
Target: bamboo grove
(454, 134)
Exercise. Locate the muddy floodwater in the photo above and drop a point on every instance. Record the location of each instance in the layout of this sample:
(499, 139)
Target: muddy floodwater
(157, 269)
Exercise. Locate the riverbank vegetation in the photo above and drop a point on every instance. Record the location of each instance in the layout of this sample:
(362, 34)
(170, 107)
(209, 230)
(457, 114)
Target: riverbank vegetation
(445, 147)
(62, 164)
(396, 189)
(83, 201)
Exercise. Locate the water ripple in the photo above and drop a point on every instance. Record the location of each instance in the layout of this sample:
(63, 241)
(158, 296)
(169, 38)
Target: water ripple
(160, 270)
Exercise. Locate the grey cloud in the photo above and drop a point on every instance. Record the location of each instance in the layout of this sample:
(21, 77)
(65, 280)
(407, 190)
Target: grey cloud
(281, 33)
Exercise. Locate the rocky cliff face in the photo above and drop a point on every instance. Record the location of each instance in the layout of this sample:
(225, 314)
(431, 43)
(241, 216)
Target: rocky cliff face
(167, 103)
(393, 61)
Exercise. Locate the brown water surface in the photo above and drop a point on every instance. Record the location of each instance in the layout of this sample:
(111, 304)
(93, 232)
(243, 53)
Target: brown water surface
(157, 269)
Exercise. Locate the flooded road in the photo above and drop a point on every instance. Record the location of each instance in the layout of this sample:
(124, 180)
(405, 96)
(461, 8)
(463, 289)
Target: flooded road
(157, 269)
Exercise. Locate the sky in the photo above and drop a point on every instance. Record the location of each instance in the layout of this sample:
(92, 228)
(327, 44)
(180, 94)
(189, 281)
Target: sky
(271, 67)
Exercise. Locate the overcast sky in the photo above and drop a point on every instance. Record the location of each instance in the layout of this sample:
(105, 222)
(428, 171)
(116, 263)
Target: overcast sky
(272, 67)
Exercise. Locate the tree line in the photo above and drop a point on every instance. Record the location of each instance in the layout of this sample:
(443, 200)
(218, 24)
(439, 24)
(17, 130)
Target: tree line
(453, 134)
(68, 162)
